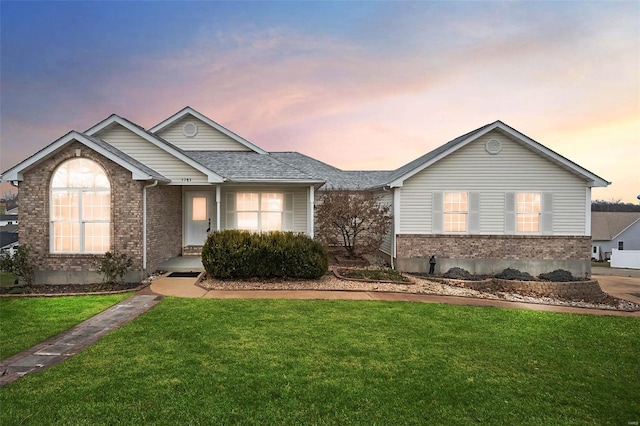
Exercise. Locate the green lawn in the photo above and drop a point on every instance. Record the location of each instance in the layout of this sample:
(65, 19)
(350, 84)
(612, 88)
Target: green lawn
(206, 362)
(7, 279)
(27, 321)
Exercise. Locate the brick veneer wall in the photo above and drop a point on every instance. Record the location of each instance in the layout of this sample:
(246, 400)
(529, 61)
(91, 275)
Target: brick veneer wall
(164, 224)
(33, 228)
(492, 253)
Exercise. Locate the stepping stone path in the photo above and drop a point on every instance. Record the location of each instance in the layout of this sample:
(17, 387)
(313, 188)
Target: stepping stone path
(68, 343)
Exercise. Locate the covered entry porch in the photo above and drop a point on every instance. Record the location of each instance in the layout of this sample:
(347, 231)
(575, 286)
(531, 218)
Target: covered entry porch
(182, 264)
(253, 207)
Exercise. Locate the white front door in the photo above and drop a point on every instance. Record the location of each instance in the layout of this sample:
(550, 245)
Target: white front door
(197, 217)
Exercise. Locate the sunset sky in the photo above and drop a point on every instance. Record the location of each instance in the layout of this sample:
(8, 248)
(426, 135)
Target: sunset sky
(360, 85)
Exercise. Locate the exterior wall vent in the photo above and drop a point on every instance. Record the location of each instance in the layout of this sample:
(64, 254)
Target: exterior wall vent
(189, 129)
(493, 146)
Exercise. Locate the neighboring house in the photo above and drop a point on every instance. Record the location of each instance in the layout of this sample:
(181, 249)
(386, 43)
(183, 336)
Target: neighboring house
(614, 230)
(490, 199)
(8, 219)
(9, 238)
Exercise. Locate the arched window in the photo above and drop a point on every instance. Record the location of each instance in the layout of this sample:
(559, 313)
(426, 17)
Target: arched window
(80, 208)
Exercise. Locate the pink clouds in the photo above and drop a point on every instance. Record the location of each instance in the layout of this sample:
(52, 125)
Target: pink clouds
(382, 92)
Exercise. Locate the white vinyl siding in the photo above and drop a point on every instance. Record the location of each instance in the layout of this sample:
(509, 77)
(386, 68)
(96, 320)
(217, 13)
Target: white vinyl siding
(207, 138)
(386, 199)
(492, 177)
(152, 156)
(295, 215)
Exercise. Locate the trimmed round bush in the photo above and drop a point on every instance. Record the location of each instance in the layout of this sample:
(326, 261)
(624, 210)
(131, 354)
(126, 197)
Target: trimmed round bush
(514, 274)
(243, 255)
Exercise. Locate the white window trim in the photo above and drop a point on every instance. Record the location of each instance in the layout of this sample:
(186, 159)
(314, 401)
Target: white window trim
(515, 211)
(81, 222)
(444, 213)
(234, 211)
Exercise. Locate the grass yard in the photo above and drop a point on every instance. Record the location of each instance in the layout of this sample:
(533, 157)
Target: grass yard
(25, 322)
(7, 279)
(204, 362)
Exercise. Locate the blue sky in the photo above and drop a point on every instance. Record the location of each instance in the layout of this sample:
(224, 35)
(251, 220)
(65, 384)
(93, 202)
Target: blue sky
(361, 85)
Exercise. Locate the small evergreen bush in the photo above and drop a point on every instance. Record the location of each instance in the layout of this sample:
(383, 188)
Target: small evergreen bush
(243, 255)
(21, 264)
(514, 274)
(6, 261)
(113, 266)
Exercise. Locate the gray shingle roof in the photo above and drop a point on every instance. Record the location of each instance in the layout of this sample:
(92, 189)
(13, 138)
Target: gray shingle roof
(337, 178)
(7, 238)
(605, 226)
(247, 165)
(334, 177)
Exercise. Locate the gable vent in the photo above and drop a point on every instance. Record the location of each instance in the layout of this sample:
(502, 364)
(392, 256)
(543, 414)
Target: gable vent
(493, 146)
(189, 129)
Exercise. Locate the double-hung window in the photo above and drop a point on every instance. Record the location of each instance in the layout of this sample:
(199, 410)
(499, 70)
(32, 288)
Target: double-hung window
(80, 208)
(455, 211)
(259, 211)
(528, 212)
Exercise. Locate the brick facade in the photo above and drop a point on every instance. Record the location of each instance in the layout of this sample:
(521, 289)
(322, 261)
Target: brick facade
(126, 219)
(489, 254)
(164, 224)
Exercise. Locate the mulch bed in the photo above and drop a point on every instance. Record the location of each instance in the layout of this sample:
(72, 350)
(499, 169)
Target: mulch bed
(70, 288)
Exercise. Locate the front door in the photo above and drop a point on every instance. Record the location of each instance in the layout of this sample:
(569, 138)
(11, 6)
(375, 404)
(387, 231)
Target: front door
(198, 217)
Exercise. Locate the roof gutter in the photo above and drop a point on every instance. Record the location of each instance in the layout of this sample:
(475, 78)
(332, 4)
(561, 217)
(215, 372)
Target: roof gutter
(144, 224)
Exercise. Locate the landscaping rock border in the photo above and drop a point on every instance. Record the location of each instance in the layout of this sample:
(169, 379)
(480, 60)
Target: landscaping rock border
(569, 290)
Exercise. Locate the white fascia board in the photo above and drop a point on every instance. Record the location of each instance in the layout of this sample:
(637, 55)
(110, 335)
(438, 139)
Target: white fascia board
(188, 110)
(399, 181)
(15, 173)
(211, 176)
(592, 179)
(624, 230)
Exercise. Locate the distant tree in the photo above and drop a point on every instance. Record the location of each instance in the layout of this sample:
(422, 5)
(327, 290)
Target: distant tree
(613, 206)
(354, 219)
(10, 200)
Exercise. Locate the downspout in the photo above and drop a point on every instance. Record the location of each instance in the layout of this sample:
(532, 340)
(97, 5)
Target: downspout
(311, 212)
(144, 225)
(396, 224)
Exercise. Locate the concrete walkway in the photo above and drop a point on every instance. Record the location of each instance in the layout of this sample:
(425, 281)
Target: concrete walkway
(186, 287)
(66, 344)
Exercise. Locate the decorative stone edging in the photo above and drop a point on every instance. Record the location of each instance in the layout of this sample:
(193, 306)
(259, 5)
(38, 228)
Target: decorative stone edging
(573, 290)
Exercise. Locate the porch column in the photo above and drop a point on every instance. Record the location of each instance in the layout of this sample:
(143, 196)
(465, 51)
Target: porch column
(217, 207)
(310, 212)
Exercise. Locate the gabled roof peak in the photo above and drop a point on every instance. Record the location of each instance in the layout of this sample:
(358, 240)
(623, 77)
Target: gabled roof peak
(188, 110)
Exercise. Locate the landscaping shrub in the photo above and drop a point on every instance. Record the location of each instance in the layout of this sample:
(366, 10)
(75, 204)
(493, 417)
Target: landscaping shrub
(114, 266)
(21, 264)
(458, 274)
(514, 274)
(243, 254)
(559, 275)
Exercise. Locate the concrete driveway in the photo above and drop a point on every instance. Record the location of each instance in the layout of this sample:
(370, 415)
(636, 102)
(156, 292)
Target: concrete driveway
(620, 283)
